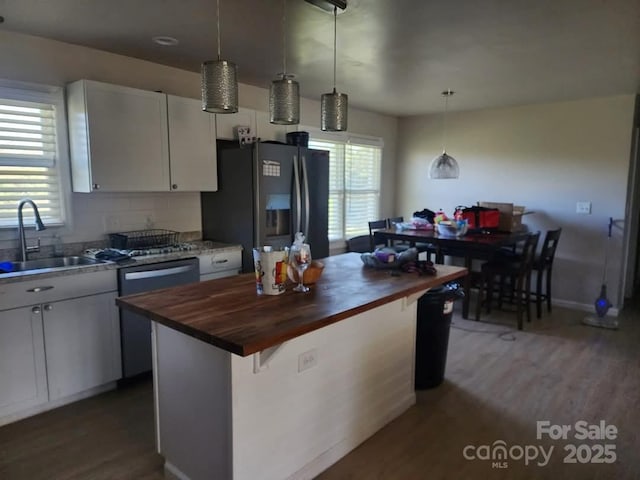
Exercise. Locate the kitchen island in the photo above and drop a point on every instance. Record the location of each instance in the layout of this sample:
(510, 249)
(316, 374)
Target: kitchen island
(276, 387)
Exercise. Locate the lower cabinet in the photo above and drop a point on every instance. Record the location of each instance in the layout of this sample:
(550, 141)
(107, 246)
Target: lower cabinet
(23, 375)
(82, 342)
(59, 341)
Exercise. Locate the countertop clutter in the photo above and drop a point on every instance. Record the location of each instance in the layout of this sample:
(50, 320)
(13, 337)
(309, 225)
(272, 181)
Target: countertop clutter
(229, 314)
(199, 247)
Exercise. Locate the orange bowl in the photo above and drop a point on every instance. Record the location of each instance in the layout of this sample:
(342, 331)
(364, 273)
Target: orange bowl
(310, 275)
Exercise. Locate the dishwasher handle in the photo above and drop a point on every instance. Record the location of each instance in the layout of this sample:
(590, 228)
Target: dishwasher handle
(162, 272)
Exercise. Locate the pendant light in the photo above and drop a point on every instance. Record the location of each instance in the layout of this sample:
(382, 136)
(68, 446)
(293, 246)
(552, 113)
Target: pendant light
(219, 81)
(444, 166)
(284, 94)
(333, 106)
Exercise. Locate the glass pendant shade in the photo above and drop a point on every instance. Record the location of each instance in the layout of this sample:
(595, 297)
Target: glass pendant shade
(333, 112)
(219, 87)
(284, 101)
(444, 166)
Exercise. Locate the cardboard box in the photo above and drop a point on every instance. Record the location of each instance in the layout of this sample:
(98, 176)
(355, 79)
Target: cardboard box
(510, 215)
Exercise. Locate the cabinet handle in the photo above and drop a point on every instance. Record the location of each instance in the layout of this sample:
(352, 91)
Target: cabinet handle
(174, 186)
(40, 289)
(36, 310)
(48, 308)
(221, 261)
(96, 186)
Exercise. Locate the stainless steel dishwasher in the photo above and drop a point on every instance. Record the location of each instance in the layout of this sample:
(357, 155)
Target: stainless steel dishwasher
(135, 330)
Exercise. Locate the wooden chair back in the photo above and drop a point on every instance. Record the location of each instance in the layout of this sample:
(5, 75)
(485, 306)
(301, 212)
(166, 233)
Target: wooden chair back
(549, 246)
(392, 220)
(373, 227)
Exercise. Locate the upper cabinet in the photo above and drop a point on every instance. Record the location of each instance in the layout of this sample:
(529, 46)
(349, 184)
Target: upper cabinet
(128, 140)
(192, 146)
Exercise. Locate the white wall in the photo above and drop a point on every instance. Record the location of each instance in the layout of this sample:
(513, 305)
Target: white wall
(39, 60)
(545, 157)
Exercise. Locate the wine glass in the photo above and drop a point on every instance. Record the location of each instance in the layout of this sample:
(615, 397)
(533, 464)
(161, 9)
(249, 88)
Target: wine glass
(300, 258)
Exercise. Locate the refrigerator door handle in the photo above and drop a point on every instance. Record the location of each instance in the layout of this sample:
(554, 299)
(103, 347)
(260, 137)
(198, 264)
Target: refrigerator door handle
(296, 174)
(305, 177)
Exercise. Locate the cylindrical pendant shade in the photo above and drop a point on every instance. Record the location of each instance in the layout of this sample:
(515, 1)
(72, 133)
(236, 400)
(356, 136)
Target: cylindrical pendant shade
(443, 167)
(333, 112)
(284, 101)
(219, 87)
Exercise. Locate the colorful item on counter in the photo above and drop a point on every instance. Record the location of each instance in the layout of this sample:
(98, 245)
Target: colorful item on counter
(270, 270)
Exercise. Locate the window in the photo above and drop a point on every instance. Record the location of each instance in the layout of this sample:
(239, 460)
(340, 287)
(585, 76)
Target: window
(354, 182)
(31, 125)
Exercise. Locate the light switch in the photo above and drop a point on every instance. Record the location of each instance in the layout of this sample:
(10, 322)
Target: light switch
(583, 208)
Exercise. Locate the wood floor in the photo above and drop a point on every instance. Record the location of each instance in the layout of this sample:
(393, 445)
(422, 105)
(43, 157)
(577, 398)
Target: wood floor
(499, 382)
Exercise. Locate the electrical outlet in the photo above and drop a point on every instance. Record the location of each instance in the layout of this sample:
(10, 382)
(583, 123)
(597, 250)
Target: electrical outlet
(583, 208)
(307, 360)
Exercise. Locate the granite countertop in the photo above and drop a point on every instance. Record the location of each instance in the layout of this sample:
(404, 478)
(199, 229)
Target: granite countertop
(229, 314)
(202, 247)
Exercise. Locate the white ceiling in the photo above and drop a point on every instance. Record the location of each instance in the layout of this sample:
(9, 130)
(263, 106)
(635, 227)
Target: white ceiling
(394, 56)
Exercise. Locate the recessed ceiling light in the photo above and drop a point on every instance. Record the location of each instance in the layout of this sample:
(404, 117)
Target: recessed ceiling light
(165, 41)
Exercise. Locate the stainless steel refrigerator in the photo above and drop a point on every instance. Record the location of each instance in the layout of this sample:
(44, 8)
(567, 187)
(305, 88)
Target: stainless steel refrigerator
(266, 193)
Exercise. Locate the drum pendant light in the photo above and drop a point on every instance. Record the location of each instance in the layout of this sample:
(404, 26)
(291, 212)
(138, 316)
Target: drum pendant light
(333, 106)
(284, 94)
(444, 166)
(219, 81)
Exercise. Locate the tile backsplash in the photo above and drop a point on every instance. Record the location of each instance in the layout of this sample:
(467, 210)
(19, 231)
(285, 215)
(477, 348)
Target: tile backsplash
(94, 215)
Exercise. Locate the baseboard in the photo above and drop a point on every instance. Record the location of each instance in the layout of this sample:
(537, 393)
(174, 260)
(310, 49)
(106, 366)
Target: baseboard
(339, 450)
(14, 417)
(173, 473)
(583, 307)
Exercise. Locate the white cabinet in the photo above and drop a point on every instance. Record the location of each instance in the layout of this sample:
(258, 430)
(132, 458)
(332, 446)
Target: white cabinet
(192, 146)
(118, 138)
(82, 344)
(129, 140)
(23, 380)
(227, 124)
(220, 264)
(59, 338)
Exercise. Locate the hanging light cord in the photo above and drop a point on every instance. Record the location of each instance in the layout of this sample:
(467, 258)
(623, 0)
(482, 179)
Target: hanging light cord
(335, 43)
(218, 24)
(284, 38)
(446, 94)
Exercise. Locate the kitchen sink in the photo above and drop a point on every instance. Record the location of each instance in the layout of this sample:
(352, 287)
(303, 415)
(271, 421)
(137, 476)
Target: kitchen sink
(52, 264)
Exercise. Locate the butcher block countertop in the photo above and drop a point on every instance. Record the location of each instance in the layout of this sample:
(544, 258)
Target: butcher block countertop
(229, 314)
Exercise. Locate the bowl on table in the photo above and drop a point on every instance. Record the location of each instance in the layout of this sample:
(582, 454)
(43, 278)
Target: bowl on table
(310, 275)
(452, 229)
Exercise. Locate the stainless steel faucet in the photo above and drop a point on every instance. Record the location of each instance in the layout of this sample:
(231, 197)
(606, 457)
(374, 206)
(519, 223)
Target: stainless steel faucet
(24, 249)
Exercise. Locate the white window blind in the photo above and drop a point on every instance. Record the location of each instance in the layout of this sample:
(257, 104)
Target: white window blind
(354, 184)
(28, 160)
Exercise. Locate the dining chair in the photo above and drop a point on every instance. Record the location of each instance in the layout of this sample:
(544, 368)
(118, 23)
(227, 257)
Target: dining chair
(397, 245)
(429, 248)
(359, 244)
(517, 269)
(375, 242)
(543, 265)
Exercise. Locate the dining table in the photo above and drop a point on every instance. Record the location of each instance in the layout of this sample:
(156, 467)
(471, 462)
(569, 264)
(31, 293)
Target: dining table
(480, 245)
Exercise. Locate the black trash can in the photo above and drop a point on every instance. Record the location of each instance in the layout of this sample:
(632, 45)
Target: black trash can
(435, 309)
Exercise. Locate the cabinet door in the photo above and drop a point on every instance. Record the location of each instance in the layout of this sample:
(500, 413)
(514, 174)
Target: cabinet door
(192, 146)
(82, 338)
(23, 380)
(227, 123)
(128, 144)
